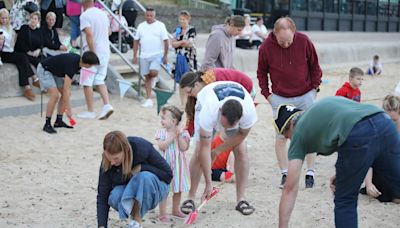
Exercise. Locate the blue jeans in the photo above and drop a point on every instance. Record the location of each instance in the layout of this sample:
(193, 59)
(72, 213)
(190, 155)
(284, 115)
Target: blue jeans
(372, 142)
(145, 188)
(75, 24)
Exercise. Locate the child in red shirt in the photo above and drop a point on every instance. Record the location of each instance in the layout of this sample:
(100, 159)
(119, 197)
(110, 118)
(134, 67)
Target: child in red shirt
(351, 89)
(222, 166)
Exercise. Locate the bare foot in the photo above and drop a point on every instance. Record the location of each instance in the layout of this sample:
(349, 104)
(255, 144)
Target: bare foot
(178, 214)
(164, 218)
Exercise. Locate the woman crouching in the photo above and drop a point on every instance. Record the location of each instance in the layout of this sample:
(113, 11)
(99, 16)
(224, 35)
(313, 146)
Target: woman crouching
(133, 178)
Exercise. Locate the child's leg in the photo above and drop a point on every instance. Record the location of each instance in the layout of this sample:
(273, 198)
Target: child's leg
(176, 201)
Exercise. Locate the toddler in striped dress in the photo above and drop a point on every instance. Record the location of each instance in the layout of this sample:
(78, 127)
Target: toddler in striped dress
(173, 142)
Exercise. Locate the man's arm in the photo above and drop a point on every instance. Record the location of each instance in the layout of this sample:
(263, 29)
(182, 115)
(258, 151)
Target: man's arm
(135, 50)
(230, 142)
(89, 38)
(289, 192)
(262, 72)
(205, 160)
(213, 49)
(166, 46)
(313, 65)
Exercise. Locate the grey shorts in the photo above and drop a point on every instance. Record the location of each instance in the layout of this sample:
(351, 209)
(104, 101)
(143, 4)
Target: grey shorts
(148, 64)
(47, 79)
(303, 102)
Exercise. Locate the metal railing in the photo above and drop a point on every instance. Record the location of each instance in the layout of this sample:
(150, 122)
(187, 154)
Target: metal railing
(131, 31)
(199, 4)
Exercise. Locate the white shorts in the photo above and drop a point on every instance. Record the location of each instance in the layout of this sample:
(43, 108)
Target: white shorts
(101, 72)
(148, 64)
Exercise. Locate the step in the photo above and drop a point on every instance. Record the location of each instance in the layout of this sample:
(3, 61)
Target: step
(20, 106)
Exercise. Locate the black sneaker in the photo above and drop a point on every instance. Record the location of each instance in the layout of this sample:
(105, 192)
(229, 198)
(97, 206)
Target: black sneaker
(309, 181)
(49, 129)
(283, 180)
(61, 124)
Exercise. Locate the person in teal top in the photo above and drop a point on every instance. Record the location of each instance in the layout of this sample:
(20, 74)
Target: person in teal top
(363, 135)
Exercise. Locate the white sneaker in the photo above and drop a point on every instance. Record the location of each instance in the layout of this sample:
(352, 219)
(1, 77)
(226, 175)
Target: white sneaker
(87, 115)
(148, 103)
(1, 63)
(134, 224)
(106, 112)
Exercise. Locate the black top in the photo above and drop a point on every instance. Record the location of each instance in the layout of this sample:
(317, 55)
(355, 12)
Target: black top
(50, 38)
(143, 153)
(63, 64)
(28, 39)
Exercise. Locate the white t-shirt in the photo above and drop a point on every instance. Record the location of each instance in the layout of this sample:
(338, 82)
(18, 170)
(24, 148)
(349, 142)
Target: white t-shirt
(98, 21)
(377, 65)
(8, 39)
(151, 38)
(257, 28)
(210, 100)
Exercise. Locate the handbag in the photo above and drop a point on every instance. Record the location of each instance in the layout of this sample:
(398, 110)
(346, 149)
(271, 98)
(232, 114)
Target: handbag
(73, 8)
(31, 7)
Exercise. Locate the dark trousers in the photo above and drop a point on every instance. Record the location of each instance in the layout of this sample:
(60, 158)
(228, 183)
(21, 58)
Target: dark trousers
(23, 65)
(373, 142)
(33, 60)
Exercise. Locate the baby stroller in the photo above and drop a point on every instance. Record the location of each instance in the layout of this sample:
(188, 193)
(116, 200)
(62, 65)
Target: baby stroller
(129, 12)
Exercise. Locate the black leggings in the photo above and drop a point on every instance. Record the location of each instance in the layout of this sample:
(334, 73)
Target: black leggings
(22, 62)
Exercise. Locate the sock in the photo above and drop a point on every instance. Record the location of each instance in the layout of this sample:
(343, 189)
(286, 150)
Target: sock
(310, 172)
(284, 171)
(59, 118)
(48, 120)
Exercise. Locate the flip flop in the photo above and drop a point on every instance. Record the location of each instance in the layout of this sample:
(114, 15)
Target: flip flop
(245, 208)
(188, 206)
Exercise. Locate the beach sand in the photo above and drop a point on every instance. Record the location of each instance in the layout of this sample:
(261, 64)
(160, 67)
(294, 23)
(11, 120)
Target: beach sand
(51, 180)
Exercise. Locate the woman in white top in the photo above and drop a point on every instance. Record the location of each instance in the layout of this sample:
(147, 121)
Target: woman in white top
(243, 40)
(19, 59)
(260, 32)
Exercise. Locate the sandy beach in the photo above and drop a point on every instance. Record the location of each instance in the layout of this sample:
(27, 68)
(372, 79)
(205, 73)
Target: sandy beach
(51, 180)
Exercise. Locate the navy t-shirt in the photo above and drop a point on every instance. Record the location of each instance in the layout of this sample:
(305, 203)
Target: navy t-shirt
(63, 64)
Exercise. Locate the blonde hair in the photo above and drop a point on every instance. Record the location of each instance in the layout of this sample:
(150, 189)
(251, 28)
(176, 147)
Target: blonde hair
(186, 14)
(175, 112)
(36, 13)
(51, 14)
(391, 103)
(284, 23)
(116, 142)
(3, 12)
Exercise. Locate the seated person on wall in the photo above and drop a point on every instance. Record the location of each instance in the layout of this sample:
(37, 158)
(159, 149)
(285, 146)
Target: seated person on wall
(30, 40)
(260, 32)
(51, 41)
(20, 60)
(243, 40)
